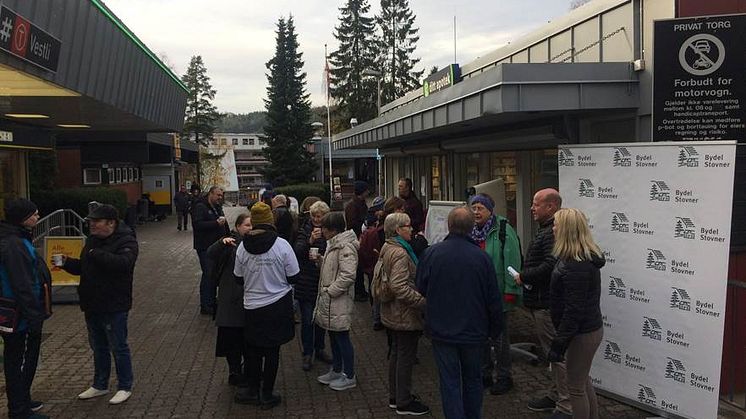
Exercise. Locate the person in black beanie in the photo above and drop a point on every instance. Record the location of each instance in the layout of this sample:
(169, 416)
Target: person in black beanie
(25, 279)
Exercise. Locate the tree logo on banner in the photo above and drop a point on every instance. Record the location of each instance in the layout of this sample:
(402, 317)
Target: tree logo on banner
(675, 370)
(647, 395)
(680, 299)
(659, 191)
(586, 188)
(617, 288)
(613, 352)
(619, 222)
(685, 228)
(565, 157)
(652, 329)
(656, 260)
(688, 156)
(622, 157)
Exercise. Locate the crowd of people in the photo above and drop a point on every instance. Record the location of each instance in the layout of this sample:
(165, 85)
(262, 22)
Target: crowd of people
(272, 265)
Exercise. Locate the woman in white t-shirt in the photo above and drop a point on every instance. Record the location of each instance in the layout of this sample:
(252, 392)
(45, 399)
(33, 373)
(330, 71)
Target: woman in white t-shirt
(268, 266)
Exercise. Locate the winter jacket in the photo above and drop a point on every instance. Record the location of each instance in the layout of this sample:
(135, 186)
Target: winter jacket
(405, 311)
(370, 246)
(413, 208)
(205, 224)
(463, 301)
(284, 223)
(338, 270)
(24, 276)
(575, 292)
(181, 202)
(355, 212)
(106, 267)
(501, 257)
(307, 286)
(229, 312)
(537, 268)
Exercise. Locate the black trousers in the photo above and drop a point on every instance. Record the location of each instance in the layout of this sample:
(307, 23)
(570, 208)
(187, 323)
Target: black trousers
(261, 367)
(21, 356)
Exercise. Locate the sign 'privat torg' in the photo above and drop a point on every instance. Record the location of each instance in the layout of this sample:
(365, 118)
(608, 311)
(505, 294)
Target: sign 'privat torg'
(662, 213)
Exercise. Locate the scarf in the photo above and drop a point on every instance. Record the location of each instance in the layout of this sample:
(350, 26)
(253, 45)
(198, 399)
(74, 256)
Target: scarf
(479, 234)
(408, 248)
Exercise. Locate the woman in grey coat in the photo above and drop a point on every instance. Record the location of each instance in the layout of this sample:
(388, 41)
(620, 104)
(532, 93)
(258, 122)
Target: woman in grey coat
(229, 316)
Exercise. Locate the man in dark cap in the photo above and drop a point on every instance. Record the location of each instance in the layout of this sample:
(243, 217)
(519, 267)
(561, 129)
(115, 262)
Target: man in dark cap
(106, 267)
(355, 212)
(25, 279)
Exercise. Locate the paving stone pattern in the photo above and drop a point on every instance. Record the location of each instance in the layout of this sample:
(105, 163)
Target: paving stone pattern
(177, 375)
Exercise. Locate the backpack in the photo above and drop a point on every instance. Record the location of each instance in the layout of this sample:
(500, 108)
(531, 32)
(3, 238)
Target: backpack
(502, 233)
(380, 287)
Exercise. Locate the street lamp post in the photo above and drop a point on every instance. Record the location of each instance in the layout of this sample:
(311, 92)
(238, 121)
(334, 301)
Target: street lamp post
(379, 76)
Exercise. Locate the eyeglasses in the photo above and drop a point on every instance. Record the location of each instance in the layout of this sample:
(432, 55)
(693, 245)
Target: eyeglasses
(407, 226)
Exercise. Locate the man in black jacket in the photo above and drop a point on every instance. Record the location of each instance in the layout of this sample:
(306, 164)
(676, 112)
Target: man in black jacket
(106, 267)
(182, 202)
(209, 225)
(283, 219)
(536, 275)
(24, 279)
(463, 310)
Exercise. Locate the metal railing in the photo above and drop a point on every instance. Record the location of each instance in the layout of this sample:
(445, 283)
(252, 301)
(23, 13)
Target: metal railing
(63, 222)
(734, 367)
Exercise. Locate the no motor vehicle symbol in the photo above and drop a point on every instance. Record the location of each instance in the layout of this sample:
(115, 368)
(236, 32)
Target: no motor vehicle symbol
(701, 54)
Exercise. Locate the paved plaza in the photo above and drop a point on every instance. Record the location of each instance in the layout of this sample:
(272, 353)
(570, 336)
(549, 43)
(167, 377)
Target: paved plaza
(177, 375)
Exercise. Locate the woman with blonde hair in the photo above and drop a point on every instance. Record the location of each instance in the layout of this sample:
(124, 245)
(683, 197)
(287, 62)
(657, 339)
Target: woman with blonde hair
(575, 291)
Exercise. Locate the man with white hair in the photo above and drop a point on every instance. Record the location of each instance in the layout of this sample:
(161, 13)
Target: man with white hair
(283, 218)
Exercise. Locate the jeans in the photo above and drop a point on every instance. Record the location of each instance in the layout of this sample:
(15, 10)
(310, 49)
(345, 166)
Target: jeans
(107, 335)
(546, 333)
(403, 354)
(311, 334)
(21, 356)
(460, 373)
(207, 290)
(343, 355)
(579, 357)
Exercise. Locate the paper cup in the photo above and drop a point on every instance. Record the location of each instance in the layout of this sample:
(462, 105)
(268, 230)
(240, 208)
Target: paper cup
(58, 259)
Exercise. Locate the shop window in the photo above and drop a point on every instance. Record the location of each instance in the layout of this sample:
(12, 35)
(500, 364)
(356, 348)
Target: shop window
(503, 165)
(436, 178)
(245, 141)
(472, 169)
(91, 176)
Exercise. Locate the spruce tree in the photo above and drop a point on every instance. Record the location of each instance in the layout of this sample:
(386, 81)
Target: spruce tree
(354, 93)
(288, 126)
(397, 44)
(201, 115)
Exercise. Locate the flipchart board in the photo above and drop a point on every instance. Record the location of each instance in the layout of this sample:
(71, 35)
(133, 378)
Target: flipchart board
(436, 223)
(662, 214)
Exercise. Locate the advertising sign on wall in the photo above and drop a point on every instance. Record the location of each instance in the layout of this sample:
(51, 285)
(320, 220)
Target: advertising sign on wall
(662, 215)
(27, 41)
(68, 246)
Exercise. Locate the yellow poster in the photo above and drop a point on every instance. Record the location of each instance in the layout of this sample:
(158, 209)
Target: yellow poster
(68, 246)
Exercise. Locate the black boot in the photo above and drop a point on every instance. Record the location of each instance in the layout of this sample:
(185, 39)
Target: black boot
(270, 400)
(247, 395)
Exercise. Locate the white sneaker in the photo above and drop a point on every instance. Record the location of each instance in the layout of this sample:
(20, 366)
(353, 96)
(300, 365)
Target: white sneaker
(329, 377)
(120, 396)
(343, 383)
(91, 393)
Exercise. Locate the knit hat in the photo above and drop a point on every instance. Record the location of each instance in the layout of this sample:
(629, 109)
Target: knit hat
(103, 212)
(360, 187)
(377, 204)
(261, 213)
(19, 210)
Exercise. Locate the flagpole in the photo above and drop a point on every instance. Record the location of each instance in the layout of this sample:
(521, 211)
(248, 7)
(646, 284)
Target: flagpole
(328, 126)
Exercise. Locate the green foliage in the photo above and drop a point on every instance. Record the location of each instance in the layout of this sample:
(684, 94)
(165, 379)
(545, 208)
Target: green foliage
(200, 115)
(354, 92)
(397, 45)
(251, 122)
(77, 199)
(303, 190)
(288, 127)
(42, 170)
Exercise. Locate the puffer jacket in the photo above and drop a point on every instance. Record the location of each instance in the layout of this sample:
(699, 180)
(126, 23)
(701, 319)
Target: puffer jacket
(404, 312)
(538, 266)
(338, 270)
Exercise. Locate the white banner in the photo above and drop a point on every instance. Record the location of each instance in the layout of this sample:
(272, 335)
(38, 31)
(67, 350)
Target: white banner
(662, 214)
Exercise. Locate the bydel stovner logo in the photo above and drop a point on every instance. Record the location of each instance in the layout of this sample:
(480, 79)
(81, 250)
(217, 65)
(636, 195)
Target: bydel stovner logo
(617, 288)
(680, 299)
(565, 157)
(656, 260)
(613, 352)
(675, 370)
(647, 395)
(688, 156)
(622, 157)
(586, 188)
(685, 228)
(652, 329)
(619, 222)
(659, 191)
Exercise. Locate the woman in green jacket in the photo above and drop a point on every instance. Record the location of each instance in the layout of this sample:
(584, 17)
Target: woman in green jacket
(494, 235)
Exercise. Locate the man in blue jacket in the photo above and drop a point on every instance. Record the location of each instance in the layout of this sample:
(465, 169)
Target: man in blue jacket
(463, 310)
(25, 279)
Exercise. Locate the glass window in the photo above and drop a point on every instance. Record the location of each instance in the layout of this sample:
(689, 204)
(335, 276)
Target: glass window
(251, 141)
(437, 178)
(110, 175)
(91, 176)
(245, 141)
(503, 165)
(223, 141)
(235, 141)
(137, 173)
(118, 175)
(213, 141)
(131, 174)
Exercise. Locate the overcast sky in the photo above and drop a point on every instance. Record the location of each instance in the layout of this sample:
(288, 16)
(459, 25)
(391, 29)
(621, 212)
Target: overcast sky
(236, 37)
